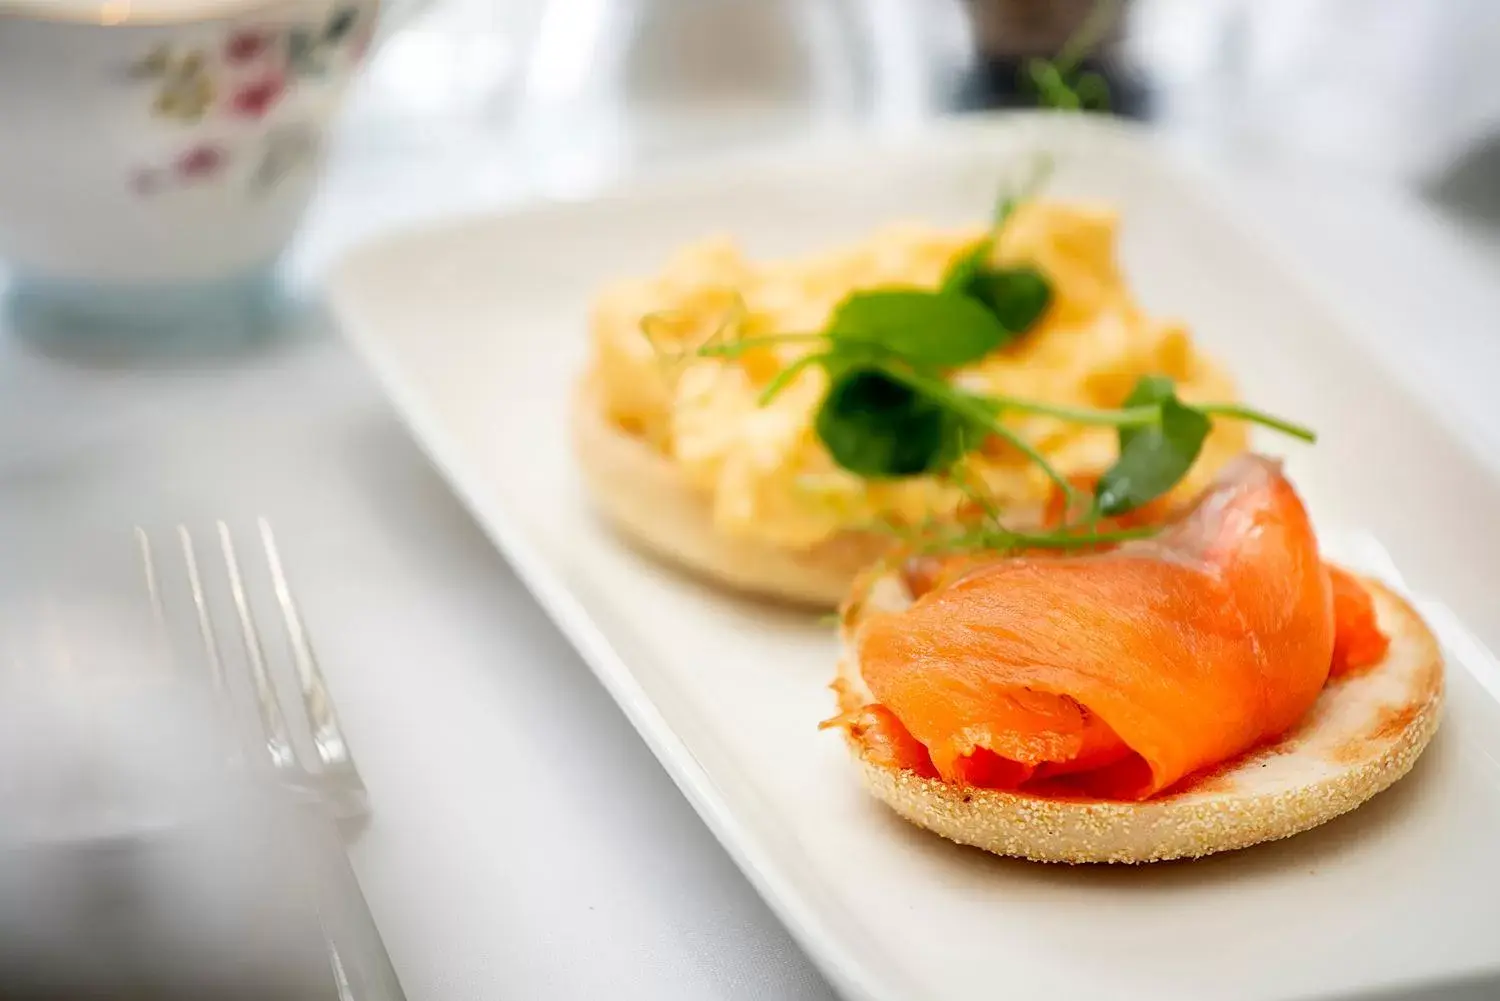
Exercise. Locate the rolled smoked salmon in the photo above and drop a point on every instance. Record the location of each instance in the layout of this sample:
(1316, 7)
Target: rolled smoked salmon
(1117, 674)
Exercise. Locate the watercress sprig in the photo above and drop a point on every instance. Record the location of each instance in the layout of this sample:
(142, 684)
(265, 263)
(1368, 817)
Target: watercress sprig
(891, 410)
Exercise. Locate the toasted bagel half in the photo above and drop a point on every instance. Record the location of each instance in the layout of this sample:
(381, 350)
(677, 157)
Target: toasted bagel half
(648, 500)
(1364, 732)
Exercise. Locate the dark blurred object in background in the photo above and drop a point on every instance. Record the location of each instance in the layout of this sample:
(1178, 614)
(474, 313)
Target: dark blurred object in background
(1473, 184)
(1018, 29)
(1009, 34)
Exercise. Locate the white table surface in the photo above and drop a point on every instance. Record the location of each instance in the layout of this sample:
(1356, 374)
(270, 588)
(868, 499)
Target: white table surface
(581, 873)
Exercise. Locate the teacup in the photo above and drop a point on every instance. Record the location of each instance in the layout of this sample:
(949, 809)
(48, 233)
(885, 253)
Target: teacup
(157, 155)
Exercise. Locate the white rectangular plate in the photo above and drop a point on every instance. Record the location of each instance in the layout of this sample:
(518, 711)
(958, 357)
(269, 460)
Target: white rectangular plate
(477, 329)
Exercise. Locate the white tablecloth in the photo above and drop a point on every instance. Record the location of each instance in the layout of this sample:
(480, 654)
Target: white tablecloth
(583, 875)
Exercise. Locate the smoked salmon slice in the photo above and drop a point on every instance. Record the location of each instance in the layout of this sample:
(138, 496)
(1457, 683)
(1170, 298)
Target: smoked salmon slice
(1357, 639)
(1116, 674)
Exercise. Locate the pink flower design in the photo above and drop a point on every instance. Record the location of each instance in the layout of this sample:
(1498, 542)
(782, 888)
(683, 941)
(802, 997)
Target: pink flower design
(200, 162)
(247, 45)
(256, 98)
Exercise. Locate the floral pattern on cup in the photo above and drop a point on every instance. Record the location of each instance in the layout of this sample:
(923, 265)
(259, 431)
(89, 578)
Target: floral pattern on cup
(255, 97)
(199, 163)
(284, 150)
(246, 45)
(244, 80)
(185, 91)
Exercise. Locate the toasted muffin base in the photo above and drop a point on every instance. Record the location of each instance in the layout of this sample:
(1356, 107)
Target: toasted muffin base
(647, 499)
(1364, 732)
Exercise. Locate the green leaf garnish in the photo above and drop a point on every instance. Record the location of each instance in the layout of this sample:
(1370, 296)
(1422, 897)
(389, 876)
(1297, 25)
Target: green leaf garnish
(879, 428)
(968, 266)
(927, 329)
(1153, 458)
(1017, 297)
(1148, 391)
(978, 418)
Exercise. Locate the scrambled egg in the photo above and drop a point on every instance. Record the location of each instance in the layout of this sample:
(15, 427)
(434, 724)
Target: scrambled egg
(764, 469)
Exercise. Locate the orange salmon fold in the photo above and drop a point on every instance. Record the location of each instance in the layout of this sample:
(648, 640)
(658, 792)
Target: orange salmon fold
(1357, 639)
(1119, 673)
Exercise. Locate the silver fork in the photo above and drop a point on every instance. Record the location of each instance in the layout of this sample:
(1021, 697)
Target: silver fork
(333, 779)
(359, 963)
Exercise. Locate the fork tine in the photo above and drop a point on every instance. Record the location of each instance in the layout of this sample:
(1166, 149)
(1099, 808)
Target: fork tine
(166, 655)
(278, 741)
(200, 607)
(148, 566)
(332, 776)
(328, 736)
